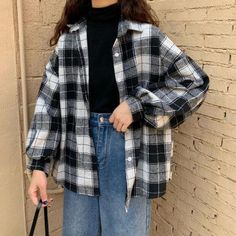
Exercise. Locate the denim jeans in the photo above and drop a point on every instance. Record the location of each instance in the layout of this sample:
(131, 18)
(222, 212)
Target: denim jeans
(105, 215)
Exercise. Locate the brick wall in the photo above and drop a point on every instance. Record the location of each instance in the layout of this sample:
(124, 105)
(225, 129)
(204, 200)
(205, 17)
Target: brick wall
(201, 197)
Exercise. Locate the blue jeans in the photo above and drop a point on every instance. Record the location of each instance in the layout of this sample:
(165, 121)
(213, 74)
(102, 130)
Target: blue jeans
(105, 214)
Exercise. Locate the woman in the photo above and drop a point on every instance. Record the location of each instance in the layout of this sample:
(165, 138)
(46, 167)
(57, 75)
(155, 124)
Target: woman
(113, 89)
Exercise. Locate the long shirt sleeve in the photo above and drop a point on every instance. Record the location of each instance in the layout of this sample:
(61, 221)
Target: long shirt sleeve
(45, 129)
(178, 91)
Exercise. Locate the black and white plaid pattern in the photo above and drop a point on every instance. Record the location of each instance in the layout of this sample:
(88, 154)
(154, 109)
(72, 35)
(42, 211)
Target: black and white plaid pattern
(161, 84)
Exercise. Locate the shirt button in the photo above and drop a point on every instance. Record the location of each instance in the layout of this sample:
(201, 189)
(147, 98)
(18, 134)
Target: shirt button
(129, 159)
(116, 54)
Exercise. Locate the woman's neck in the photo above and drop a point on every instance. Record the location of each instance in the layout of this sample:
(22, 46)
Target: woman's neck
(102, 3)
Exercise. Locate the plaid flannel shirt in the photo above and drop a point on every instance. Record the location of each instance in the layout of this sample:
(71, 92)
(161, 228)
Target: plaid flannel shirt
(161, 84)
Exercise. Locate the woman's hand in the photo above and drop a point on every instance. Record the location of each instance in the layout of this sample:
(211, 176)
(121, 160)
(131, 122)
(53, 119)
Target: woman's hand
(121, 117)
(38, 188)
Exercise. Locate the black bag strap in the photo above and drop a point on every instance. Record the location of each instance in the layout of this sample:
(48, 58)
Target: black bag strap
(46, 226)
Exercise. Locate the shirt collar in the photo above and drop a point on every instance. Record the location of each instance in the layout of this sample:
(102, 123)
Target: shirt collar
(123, 26)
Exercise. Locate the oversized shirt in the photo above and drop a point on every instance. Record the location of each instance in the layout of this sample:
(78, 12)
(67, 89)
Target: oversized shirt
(161, 84)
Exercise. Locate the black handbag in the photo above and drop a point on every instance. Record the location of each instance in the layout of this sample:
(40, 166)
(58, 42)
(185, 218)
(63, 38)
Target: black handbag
(36, 218)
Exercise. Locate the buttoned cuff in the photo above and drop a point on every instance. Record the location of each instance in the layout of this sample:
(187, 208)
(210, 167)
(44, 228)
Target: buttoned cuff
(135, 107)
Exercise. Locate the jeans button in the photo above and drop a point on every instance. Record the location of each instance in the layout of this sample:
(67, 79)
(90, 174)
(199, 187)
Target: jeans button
(101, 119)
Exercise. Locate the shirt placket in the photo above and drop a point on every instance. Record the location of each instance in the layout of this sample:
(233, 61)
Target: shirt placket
(84, 76)
(129, 156)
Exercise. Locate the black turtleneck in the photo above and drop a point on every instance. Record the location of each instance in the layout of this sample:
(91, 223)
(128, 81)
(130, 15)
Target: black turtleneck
(102, 25)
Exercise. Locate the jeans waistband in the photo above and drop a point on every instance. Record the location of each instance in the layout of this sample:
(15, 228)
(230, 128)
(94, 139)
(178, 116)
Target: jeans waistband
(100, 118)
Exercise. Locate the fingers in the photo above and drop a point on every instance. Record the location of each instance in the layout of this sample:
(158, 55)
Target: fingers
(47, 202)
(50, 202)
(124, 128)
(36, 193)
(33, 194)
(121, 117)
(115, 123)
(119, 126)
(43, 195)
(38, 188)
(111, 118)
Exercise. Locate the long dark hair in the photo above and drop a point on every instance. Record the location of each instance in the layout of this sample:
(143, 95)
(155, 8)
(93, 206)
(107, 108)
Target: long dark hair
(136, 10)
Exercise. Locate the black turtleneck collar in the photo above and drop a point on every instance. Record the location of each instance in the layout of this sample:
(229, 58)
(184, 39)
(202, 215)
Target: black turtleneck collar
(104, 14)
